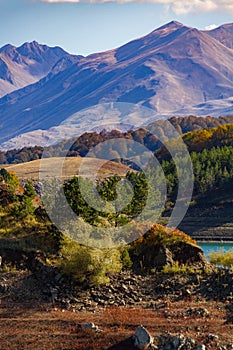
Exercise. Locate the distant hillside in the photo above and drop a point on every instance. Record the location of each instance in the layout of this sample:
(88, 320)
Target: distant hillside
(211, 217)
(81, 145)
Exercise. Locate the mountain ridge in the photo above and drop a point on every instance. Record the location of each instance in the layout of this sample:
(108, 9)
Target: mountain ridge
(26, 64)
(172, 69)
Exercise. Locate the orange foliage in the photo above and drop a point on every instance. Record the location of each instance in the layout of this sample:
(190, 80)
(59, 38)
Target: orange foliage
(161, 234)
(20, 190)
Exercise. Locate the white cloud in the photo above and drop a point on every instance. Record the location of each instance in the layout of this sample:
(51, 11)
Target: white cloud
(179, 7)
(211, 26)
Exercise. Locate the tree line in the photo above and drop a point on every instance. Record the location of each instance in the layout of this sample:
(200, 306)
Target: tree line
(82, 144)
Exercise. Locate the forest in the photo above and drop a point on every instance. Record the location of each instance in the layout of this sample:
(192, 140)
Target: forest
(82, 144)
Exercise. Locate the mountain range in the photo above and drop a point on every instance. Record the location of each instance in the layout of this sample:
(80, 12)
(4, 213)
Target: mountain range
(174, 70)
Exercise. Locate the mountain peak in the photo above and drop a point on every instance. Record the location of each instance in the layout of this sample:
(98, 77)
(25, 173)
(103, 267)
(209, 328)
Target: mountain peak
(173, 25)
(31, 43)
(224, 26)
(170, 28)
(7, 47)
(224, 34)
(27, 47)
(11, 52)
(27, 64)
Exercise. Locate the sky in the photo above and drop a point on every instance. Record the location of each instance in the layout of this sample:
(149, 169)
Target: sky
(85, 27)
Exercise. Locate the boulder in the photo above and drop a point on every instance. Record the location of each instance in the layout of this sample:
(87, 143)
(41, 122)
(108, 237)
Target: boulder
(153, 257)
(155, 252)
(124, 344)
(186, 253)
(142, 338)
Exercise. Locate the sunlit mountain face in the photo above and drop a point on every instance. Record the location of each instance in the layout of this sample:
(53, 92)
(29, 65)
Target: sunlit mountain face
(174, 70)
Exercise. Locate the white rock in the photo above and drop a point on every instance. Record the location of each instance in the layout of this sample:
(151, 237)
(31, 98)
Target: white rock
(87, 326)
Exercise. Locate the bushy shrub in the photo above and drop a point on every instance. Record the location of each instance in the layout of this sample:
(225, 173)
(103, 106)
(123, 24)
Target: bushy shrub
(10, 178)
(89, 265)
(176, 268)
(222, 258)
(125, 258)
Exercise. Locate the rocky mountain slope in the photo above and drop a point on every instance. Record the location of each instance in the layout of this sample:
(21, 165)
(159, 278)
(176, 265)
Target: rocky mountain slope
(171, 70)
(27, 64)
(224, 34)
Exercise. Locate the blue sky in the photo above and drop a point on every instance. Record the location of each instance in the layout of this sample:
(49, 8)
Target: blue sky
(88, 27)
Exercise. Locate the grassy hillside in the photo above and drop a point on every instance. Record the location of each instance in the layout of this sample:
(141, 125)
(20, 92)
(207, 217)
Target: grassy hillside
(30, 170)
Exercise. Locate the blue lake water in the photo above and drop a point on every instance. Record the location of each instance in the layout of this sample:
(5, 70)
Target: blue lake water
(214, 246)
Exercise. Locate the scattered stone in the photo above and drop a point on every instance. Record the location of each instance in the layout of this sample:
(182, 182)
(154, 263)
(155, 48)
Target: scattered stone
(199, 311)
(89, 326)
(177, 342)
(213, 337)
(125, 289)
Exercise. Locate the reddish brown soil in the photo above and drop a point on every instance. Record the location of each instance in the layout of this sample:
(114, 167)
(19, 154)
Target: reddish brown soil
(47, 327)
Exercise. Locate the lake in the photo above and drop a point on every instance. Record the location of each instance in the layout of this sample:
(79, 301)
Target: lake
(214, 246)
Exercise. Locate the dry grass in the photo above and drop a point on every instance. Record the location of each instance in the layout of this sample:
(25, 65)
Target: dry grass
(71, 166)
(41, 328)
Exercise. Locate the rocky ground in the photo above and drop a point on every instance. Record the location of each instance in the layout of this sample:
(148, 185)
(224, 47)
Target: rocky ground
(44, 284)
(41, 309)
